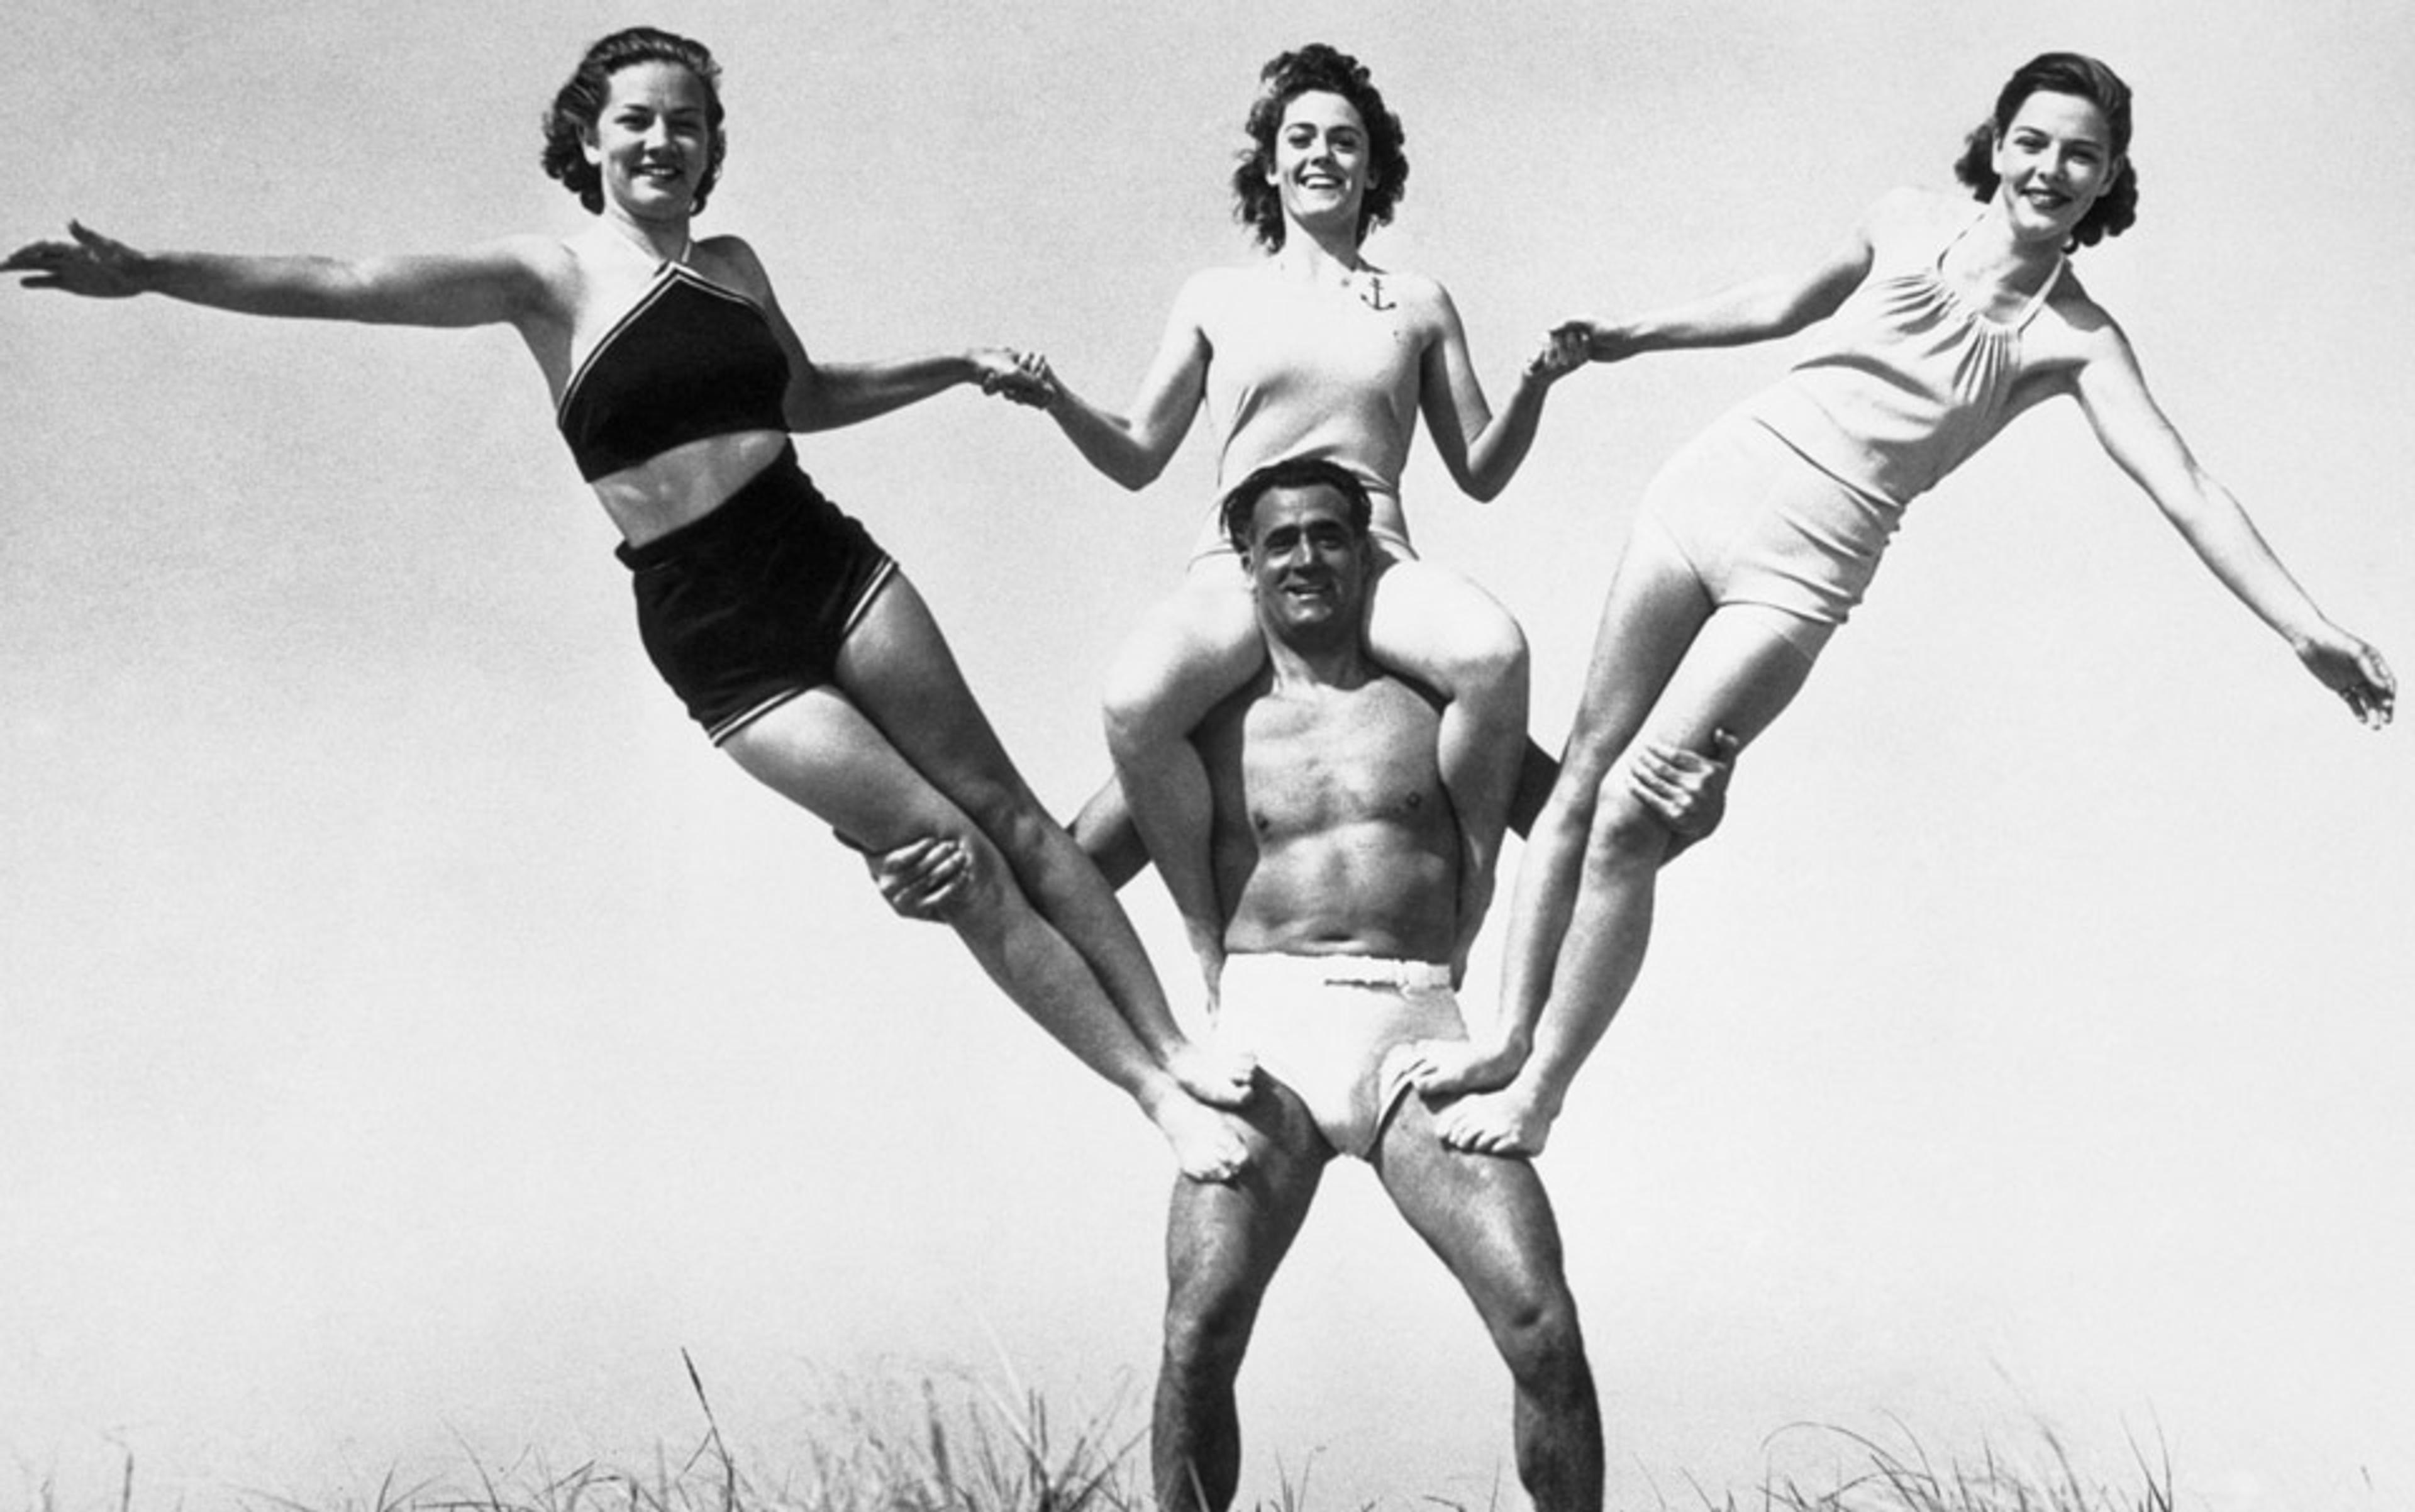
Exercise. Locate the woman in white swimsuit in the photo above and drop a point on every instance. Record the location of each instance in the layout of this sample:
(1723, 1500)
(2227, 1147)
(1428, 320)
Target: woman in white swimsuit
(1758, 538)
(1315, 351)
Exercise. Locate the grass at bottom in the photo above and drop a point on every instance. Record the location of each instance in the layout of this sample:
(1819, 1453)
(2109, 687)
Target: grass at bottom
(979, 1447)
(1870, 1474)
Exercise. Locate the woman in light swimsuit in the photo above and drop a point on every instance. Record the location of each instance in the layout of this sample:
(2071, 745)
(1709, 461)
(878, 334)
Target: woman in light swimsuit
(1757, 539)
(1313, 352)
(787, 632)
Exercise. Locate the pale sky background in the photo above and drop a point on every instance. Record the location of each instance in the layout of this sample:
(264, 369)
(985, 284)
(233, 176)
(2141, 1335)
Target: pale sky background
(412, 1035)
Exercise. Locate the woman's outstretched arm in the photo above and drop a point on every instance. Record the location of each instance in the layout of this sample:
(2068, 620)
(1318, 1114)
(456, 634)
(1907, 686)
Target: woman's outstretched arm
(502, 281)
(1759, 309)
(2136, 434)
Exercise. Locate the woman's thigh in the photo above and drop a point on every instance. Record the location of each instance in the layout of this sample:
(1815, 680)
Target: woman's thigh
(822, 752)
(1744, 667)
(896, 667)
(1432, 623)
(1190, 651)
(1654, 609)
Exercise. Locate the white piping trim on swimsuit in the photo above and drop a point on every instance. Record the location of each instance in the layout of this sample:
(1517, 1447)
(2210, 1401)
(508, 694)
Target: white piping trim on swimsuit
(665, 276)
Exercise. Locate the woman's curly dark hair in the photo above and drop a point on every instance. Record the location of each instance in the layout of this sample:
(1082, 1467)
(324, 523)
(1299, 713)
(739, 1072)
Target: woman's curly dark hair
(2062, 74)
(1258, 203)
(580, 103)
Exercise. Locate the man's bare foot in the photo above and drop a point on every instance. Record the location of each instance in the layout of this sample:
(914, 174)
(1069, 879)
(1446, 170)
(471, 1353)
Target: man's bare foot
(1207, 1144)
(1448, 1067)
(1511, 1121)
(1220, 1078)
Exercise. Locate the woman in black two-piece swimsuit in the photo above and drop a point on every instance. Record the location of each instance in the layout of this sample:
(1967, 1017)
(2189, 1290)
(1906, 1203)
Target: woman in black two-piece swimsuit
(790, 636)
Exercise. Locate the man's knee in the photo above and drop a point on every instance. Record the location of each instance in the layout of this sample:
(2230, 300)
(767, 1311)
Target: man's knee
(1539, 1339)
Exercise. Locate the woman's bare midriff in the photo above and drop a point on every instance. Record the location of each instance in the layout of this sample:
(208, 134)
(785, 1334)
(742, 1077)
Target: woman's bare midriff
(684, 485)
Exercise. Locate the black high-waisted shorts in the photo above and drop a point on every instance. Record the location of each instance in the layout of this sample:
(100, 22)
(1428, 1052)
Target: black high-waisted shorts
(744, 608)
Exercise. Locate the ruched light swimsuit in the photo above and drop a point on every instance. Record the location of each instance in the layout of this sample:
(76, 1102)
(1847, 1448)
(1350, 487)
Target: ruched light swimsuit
(1301, 370)
(1789, 499)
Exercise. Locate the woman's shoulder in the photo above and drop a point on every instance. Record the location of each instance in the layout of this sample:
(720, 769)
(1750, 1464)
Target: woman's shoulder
(545, 275)
(2072, 314)
(528, 262)
(731, 261)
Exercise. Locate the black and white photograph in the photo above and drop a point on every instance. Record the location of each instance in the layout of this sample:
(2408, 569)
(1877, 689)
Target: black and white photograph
(1226, 810)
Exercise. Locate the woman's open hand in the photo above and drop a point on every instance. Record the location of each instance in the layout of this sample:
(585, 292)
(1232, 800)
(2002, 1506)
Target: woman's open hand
(90, 264)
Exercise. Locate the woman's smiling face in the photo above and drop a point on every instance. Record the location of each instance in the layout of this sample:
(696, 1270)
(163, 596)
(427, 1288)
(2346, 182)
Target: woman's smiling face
(652, 140)
(2053, 163)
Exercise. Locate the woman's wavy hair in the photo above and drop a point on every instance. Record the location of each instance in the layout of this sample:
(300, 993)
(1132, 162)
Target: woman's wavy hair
(1258, 203)
(2062, 74)
(580, 103)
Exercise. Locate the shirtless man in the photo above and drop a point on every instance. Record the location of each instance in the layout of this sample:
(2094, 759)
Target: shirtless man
(1336, 859)
(1337, 862)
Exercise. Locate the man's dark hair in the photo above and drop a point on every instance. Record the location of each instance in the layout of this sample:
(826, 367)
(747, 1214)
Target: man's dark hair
(1240, 507)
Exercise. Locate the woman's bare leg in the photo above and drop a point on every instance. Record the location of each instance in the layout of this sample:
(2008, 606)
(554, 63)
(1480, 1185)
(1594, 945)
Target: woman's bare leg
(896, 665)
(1189, 654)
(1737, 675)
(1439, 628)
(822, 752)
(1649, 617)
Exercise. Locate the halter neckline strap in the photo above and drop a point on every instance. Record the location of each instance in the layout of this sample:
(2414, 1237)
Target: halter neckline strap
(2029, 309)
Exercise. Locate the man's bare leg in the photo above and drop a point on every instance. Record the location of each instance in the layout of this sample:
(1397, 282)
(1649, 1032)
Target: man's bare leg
(1490, 1221)
(1223, 1243)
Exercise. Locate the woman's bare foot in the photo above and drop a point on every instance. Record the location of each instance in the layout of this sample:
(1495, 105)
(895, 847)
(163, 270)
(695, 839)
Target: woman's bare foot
(1514, 1120)
(1219, 1077)
(1450, 1068)
(1207, 1144)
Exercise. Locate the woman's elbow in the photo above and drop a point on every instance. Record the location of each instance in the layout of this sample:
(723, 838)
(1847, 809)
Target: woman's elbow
(1483, 485)
(810, 410)
(1132, 470)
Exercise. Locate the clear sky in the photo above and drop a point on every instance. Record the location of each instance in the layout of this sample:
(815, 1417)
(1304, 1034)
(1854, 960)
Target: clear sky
(412, 1035)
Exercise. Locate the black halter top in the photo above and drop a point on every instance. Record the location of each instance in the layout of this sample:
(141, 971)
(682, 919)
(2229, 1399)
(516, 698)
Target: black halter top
(690, 359)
